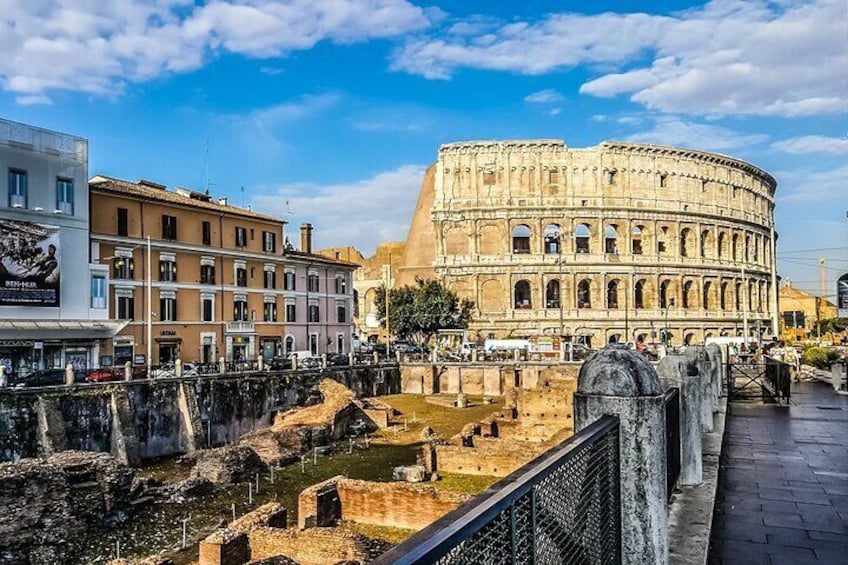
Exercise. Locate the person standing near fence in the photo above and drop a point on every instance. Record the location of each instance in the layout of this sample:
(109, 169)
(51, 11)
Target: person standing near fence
(793, 359)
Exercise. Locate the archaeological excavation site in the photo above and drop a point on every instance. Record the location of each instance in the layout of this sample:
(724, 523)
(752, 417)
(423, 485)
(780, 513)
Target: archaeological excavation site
(302, 467)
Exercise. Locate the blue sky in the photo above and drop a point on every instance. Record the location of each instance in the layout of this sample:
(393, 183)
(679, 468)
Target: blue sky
(329, 110)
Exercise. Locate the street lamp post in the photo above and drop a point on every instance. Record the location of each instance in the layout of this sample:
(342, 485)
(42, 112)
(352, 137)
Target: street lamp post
(149, 308)
(665, 335)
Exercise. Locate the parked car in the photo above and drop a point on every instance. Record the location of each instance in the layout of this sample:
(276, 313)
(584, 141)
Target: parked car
(309, 363)
(115, 373)
(169, 371)
(338, 360)
(50, 377)
(279, 364)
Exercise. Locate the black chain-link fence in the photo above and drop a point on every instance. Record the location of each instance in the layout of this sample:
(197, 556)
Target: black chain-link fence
(563, 507)
(672, 439)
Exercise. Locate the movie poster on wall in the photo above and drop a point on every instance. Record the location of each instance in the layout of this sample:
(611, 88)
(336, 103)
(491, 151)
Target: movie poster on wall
(29, 264)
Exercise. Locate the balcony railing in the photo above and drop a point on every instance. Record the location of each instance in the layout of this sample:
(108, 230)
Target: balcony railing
(240, 327)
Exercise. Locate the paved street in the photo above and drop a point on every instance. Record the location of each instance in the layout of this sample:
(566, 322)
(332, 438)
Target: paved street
(783, 487)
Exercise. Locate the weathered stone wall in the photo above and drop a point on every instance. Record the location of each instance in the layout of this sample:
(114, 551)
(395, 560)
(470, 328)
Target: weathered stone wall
(493, 458)
(491, 379)
(395, 504)
(163, 417)
(315, 546)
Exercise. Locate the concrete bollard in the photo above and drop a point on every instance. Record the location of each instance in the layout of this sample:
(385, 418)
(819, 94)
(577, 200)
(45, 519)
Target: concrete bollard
(323, 360)
(222, 365)
(397, 355)
(4, 381)
(677, 371)
(260, 363)
(434, 356)
(516, 355)
(178, 368)
(716, 364)
(294, 362)
(127, 371)
(698, 356)
(473, 354)
(69, 374)
(351, 359)
(621, 383)
(376, 357)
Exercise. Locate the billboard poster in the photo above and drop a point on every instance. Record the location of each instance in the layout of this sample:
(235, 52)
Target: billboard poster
(842, 295)
(29, 264)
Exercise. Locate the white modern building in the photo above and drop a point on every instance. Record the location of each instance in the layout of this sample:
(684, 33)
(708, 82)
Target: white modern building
(53, 300)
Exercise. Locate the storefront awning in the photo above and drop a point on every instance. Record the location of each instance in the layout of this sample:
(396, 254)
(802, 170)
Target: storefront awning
(42, 330)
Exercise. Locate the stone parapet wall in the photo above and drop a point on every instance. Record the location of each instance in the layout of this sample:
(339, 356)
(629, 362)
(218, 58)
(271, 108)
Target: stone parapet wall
(480, 378)
(492, 458)
(315, 546)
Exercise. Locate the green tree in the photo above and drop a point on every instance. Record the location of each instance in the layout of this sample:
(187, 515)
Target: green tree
(418, 311)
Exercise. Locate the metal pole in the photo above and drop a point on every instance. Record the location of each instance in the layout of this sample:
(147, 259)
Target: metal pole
(745, 296)
(388, 326)
(149, 308)
(821, 300)
(559, 248)
(626, 308)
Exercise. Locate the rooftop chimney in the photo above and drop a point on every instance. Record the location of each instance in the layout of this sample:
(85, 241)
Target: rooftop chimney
(306, 238)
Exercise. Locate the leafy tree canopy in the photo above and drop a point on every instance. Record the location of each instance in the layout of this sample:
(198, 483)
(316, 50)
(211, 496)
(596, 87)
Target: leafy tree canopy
(418, 311)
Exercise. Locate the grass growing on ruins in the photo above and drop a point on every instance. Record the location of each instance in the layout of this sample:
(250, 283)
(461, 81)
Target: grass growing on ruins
(465, 484)
(446, 421)
(384, 533)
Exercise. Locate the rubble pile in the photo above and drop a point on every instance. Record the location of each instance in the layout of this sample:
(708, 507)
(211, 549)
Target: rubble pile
(228, 464)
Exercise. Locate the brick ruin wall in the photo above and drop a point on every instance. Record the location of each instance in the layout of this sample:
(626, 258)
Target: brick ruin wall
(490, 379)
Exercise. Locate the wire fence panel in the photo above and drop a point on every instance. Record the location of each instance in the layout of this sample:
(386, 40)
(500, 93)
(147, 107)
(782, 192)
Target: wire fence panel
(563, 507)
(672, 439)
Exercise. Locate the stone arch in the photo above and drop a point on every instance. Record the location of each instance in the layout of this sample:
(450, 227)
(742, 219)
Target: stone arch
(584, 293)
(553, 239)
(371, 300)
(737, 296)
(687, 295)
(491, 240)
(723, 302)
(667, 291)
(688, 338)
(522, 295)
(707, 298)
(611, 239)
(722, 241)
(734, 247)
(687, 243)
(639, 294)
(582, 238)
(746, 252)
(553, 294)
(492, 296)
(613, 290)
(706, 244)
(456, 241)
(636, 240)
(521, 235)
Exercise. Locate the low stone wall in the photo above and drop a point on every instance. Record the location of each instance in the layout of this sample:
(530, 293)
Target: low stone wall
(151, 418)
(488, 457)
(315, 546)
(491, 379)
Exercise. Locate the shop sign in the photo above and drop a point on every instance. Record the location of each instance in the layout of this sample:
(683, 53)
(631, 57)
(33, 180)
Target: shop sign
(140, 359)
(16, 343)
(168, 332)
(30, 256)
(38, 345)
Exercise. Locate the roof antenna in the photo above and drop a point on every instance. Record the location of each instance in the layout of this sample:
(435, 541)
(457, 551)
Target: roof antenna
(208, 169)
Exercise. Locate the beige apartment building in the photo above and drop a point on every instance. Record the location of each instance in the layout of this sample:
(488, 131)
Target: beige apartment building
(618, 240)
(223, 280)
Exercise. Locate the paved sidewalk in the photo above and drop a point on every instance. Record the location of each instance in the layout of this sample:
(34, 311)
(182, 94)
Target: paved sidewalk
(783, 482)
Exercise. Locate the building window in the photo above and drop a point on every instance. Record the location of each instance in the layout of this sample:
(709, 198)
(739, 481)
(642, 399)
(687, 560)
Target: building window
(639, 295)
(552, 240)
(241, 237)
(610, 177)
(313, 344)
(123, 268)
(664, 298)
(240, 310)
(207, 274)
(584, 294)
(612, 294)
(207, 308)
(270, 279)
(314, 313)
(636, 240)
(269, 242)
(169, 227)
(552, 299)
(168, 309)
(522, 295)
(291, 312)
(340, 340)
(312, 282)
(270, 312)
(65, 196)
(341, 285)
(611, 240)
(341, 313)
(167, 270)
(126, 307)
(581, 238)
(241, 276)
(123, 222)
(98, 291)
(206, 229)
(663, 180)
(521, 239)
(17, 188)
(289, 280)
(553, 176)
(289, 344)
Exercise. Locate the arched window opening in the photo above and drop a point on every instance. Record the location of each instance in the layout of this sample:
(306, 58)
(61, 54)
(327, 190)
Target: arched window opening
(521, 239)
(706, 295)
(735, 245)
(522, 295)
(687, 291)
(289, 343)
(747, 251)
(720, 245)
(756, 249)
(581, 238)
(738, 296)
(705, 236)
(639, 295)
(664, 294)
(612, 294)
(684, 242)
(723, 296)
(553, 238)
(584, 298)
(552, 296)
(611, 240)
(688, 339)
(355, 303)
(636, 240)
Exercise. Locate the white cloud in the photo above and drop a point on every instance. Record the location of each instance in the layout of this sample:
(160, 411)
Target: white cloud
(360, 213)
(547, 96)
(812, 144)
(97, 47)
(813, 186)
(729, 57)
(673, 131)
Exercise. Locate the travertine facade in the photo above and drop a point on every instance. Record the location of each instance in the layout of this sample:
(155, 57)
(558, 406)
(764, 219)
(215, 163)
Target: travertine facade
(597, 242)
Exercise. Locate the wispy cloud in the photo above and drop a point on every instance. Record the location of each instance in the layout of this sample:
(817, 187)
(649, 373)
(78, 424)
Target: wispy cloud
(674, 131)
(807, 186)
(547, 96)
(812, 144)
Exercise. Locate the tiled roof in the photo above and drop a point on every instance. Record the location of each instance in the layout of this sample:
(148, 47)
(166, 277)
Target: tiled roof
(319, 258)
(137, 190)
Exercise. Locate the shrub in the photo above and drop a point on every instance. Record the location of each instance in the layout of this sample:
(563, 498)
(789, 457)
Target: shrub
(819, 357)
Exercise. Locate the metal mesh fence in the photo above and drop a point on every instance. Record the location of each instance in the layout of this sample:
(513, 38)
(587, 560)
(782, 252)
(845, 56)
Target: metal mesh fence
(563, 507)
(672, 439)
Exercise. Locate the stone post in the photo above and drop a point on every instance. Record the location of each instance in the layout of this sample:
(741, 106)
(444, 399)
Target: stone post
(323, 360)
(127, 371)
(716, 365)
(351, 359)
(434, 356)
(222, 365)
(260, 363)
(621, 383)
(69, 374)
(397, 355)
(178, 368)
(473, 354)
(3, 379)
(294, 362)
(516, 355)
(376, 357)
(677, 371)
(698, 356)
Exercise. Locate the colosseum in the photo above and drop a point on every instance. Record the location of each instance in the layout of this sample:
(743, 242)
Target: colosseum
(621, 239)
